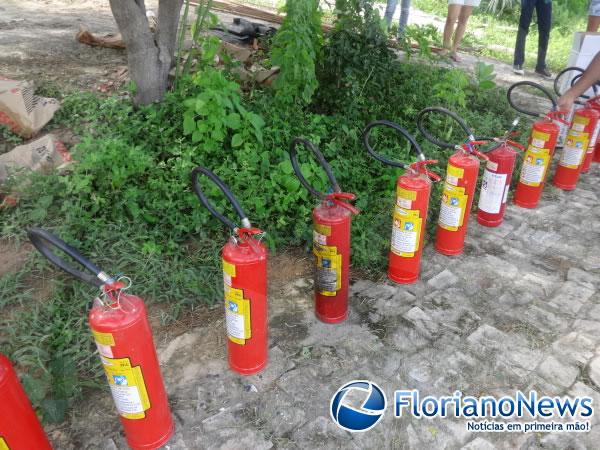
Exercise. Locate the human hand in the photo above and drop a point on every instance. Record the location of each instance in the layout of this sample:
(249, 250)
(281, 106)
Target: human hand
(565, 102)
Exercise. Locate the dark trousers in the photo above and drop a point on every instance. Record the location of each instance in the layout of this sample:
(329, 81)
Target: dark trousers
(544, 17)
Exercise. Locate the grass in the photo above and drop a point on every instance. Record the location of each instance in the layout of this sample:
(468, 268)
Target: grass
(494, 36)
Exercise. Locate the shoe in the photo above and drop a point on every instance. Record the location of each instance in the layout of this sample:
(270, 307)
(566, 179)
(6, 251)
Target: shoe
(518, 69)
(545, 73)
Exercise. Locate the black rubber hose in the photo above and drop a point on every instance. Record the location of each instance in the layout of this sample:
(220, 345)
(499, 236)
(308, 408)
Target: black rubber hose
(539, 87)
(400, 130)
(557, 80)
(322, 162)
(430, 137)
(226, 191)
(42, 240)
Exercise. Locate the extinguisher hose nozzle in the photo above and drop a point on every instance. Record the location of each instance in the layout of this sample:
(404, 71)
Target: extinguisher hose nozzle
(43, 240)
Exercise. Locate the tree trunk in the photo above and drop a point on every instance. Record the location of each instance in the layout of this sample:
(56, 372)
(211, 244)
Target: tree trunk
(149, 56)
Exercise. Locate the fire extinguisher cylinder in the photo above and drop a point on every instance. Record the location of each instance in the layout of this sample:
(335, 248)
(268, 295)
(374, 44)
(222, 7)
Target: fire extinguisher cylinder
(122, 333)
(496, 183)
(459, 187)
(332, 223)
(409, 217)
(543, 139)
(594, 144)
(20, 428)
(244, 259)
(457, 200)
(579, 138)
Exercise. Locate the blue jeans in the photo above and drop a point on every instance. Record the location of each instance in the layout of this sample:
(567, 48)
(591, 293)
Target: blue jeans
(404, 10)
(544, 18)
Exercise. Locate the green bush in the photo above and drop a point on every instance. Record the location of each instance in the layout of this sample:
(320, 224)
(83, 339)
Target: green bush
(127, 202)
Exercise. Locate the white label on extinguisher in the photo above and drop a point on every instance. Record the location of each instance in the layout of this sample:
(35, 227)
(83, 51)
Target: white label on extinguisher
(492, 165)
(539, 143)
(235, 322)
(406, 232)
(492, 192)
(127, 399)
(505, 193)
(127, 386)
(574, 149)
(105, 350)
(319, 238)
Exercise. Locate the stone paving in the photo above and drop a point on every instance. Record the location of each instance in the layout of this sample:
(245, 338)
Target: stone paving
(519, 310)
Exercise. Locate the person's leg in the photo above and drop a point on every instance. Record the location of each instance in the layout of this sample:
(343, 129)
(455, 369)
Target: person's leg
(527, 7)
(390, 9)
(404, 11)
(451, 18)
(594, 16)
(544, 17)
(463, 17)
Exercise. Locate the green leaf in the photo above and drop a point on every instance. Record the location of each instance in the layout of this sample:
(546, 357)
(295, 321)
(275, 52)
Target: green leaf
(487, 84)
(237, 140)
(233, 121)
(189, 124)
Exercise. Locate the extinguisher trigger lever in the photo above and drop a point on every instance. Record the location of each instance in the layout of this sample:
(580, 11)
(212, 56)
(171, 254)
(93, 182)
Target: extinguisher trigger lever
(420, 167)
(341, 199)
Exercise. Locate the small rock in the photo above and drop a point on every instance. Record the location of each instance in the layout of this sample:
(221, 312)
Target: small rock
(442, 280)
(557, 373)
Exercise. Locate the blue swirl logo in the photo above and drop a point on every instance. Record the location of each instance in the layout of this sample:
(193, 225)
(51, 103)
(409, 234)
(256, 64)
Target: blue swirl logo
(367, 415)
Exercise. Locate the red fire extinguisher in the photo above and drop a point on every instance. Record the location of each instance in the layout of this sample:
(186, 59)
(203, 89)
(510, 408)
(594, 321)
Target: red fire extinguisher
(582, 130)
(594, 144)
(540, 149)
(20, 428)
(332, 221)
(244, 259)
(120, 327)
(460, 184)
(563, 81)
(496, 180)
(413, 189)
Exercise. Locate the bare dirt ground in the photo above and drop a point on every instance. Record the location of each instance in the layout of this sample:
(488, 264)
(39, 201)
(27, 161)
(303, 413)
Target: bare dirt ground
(37, 42)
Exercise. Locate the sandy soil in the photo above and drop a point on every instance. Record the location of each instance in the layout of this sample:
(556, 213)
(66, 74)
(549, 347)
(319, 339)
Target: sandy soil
(37, 42)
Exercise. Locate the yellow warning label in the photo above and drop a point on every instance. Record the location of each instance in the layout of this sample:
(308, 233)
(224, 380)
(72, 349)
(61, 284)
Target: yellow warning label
(325, 230)
(454, 205)
(328, 269)
(453, 174)
(455, 171)
(103, 338)
(406, 232)
(540, 136)
(574, 149)
(3, 444)
(127, 387)
(535, 166)
(237, 315)
(406, 194)
(228, 268)
(580, 122)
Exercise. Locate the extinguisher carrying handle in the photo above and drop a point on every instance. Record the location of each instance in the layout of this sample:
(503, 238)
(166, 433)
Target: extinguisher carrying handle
(546, 92)
(228, 194)
(409, 137)
(439, 110)
(322, 162)
(43, 240)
